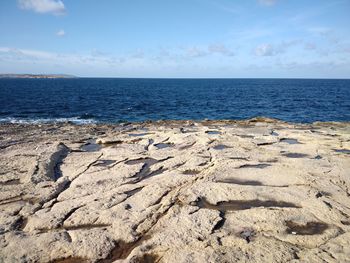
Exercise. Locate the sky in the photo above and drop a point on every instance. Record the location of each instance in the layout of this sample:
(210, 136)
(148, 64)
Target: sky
(176, 38)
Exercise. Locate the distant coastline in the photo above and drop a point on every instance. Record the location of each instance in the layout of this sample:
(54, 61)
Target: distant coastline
(37, 76)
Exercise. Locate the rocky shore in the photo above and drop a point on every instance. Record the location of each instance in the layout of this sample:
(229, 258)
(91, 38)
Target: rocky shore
(260, 190)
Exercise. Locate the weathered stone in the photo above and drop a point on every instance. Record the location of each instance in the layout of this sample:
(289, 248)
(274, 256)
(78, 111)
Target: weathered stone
(212, 191)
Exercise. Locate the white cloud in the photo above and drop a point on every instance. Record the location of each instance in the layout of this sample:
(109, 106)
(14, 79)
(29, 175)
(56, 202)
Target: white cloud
(138, 54)
(195, 52)
(220, 49)
(267, 2)
(265, 50)
(20, 54)
(323, 31)
(60, 33)
(98, 63)
(310, 46)
(55, 7)
(48, 58)
(207, 50)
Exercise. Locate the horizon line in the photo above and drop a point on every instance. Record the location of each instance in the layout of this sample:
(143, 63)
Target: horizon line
(71, 76)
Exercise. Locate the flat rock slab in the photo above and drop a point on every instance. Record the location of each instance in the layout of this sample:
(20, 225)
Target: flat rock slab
(259, 190)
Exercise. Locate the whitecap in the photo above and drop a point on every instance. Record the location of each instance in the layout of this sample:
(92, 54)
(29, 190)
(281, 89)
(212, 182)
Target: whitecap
(75, 120)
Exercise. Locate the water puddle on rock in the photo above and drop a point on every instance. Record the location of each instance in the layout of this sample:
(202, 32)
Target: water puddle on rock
(149, 161)
(183, 130)
(238, 181)
(265, 143)
(239, 158)
(290, 141)
(248, 234)
(295, 155)
(70, 260)
(220, 147)
(138, 134)
(311, 228)
(235, 205)
(191, 172)
(110, 143)
(245, 136)
(273, 133)
(145, 171)
(246, 182)
(256, 166)
(133, 191)
(163, 145)
(213, 132)
(104, 162)
(86, 227)
(91, 146)
(346, 151)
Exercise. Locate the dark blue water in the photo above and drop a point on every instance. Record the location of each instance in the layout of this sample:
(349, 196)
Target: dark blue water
(115, 100)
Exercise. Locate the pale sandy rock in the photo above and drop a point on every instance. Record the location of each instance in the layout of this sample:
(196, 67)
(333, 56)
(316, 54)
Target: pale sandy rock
(259, 190)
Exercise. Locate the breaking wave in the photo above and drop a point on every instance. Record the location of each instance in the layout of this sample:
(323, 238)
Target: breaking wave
(74, 120)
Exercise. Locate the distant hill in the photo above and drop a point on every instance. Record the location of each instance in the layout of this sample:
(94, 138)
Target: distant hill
(37, 76)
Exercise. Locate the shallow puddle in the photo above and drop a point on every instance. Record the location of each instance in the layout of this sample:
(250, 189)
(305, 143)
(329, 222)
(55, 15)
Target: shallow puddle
(145, 171)
(238, 181)
(290, 141)
(91, 146)
(245, 136)
(239, 158)
(133, 191)
(191, 172)
(213, 132)
(257, 166)
(220, 147)
(346, 151)
(86, 227)
(311, 228)
(322, 193)
(138, 134)
(104, 162)
(235, 205)
(183, 130)
(295, 155)
(149, 161)
(70, 260)
(163, 145)
(111, 143)
(265, 143)
(247, 234)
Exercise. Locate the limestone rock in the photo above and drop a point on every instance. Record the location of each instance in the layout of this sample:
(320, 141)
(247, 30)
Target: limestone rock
(258, 190)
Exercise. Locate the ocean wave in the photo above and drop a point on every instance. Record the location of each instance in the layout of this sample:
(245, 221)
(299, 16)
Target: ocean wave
(75, 120)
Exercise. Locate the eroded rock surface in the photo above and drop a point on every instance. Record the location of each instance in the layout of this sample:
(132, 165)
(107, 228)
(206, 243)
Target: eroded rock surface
(249, 191)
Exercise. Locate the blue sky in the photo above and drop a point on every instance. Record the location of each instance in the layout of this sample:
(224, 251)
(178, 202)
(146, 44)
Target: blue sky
(176, 38)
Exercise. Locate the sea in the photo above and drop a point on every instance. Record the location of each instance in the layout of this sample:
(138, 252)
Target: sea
(117, 100)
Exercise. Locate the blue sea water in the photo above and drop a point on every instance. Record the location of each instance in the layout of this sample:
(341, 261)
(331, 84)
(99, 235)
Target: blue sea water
(85, 100)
